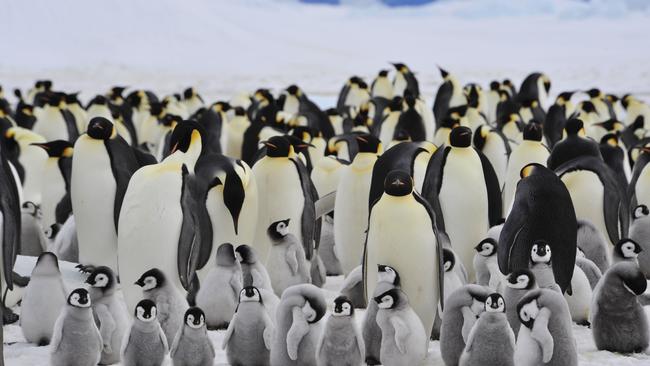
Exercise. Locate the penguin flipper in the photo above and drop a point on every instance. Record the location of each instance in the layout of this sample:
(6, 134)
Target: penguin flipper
(299, 328)
(189, 241)
(470, 339)
(325, 204)
(401, 333)
(433, 183)
(267, 334)
(229, 332)
(163, 339)
(509, 257)
(125, 342)
(57, 334)
(10, 219)
(542, 335)
(495, 206)
(123, 165)
(308, 220)
(441, 103)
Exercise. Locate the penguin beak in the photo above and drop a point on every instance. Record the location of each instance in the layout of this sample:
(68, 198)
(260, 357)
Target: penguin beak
(139, 283)
(268, 144)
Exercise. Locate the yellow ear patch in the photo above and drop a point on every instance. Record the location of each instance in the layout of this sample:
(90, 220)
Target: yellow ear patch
(67, 152)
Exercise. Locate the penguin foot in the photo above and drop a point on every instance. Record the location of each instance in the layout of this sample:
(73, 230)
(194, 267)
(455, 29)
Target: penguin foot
(372, 361)
(85, 269)
(8, 316)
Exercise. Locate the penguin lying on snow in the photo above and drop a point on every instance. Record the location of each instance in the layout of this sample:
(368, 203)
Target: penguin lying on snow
(145, 342)
(341, 343)
(191, 346)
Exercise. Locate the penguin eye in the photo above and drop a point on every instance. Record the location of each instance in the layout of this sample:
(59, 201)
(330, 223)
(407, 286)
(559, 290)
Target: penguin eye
(548, 249)
(535, 249)
(388, 269)
(190, 318)
(346, 307)
(500, 302)
(524, 315)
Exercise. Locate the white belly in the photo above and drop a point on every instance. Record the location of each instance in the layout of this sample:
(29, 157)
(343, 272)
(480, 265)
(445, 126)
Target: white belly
(51, 125)
(527, 350)
(527, 152)
(53, 189)
(496, 153)
(93, 189)
(587, 196)
(420, 169)
(33, 159)
(580, 300)
(642, 188)
(388, 128)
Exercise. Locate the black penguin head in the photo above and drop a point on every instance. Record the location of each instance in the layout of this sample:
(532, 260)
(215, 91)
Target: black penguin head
(152, 279)
(495, 303)
(521, 279)
(396, 104)
(342, 307)
(102, 277)
(52, 231)
(239, 111)
(610, 139)
(391, 299)
(146, 311)
(388, 274)
(250, 294)
(594, 93)
(631, 276)
(100, 128)
(530, 169)
(294, 90)
(460, 137)
(398, 183)
(448, 259)
(495, 85)
(194, 318)
(409, 99)
(79, 298)
(627, 248)
(383, 73)
(540, 252)
(527, 310)
(640, 211)
(246, 254)
(547, 83)
(226, 255)
(221, 106)
(56, 148)
(368, 144)
(278, 230)
(72, 98)
(588, 107)
(189, 93)
(184, 135)
(313, 309)
(444, 73)
(400, 67)
(487, 247)
(564, 97)
(533, 131)
(573, 126)
(278, 147)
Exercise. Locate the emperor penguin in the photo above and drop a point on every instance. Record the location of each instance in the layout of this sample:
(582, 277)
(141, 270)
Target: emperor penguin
(254, 272)
(109, 312)
(56, 179)
(541, 264)
(626, 250)
(145, 342)
(618, 321)
(192, 100)
(491, 341)
(603, 107)
(518, 283)
(450, 95)
(556, 118)
(285, 190)
(535, 87)
(638, 190)
(341, 343)
(402, 216)
(55, 122)
(33, 239)
(456, 171)
(32, 159)
(640, 233)
(248, 338)
(191, 346)
(404, 340)
(530, 150)
(594, 245)
(405, 80)
(486, 266)
(580, 296)
(286, 261)
(219, 293)
(496, 148)
(101, 169)
(351, 219)
(76, 340)
(159, 215)
(236, 129)
(169, 301)
(387, 128)
(574, 145)
(546, 335)
(387, 278)
(298, 326)
(542, 210)
(461, 312)
(381, 86)
(589, 268)
(42, 301)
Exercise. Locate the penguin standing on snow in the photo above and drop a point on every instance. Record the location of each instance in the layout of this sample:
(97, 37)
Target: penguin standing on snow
(253, 271)
(450, 95)
(286, 261)
(191, 345)
(56, 180)
(145, 342)
(496, 148)
(518, 283)
(341, 343)
(485, 265)
(640, 233)
(405, 80)
(387, 278)
(556, 118)
(541, 264)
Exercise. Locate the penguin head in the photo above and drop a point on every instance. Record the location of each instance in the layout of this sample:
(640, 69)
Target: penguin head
(221, 106)
(79, 298)
(443, 73)
(102, 277)
(573, 126)
(521, 279)
(640, 211)
(533, 131)
(189, 93)
(343, 307)
(313, 310)
(294, 90)
(56, 148)
(530, 169)
(594, 93)
(487, 247)
(448, 259)
(382, 73)
(250, 294)
(226, 255)
(239, 111)
(540, 252)
(564, 97)
(387, 274)
(246, 254)
(610, 139)
(631, 276)
(185, 135)
(194, 318)
(627, 248)
(52, 231)
(398, 183)
(47, 264)
(528, 311)
(495, 303)
(32, 209)
(146, 311)
(391, 299)
(460, 137)
(72, 98)
(495, 85)
(153, 278)
(278, 147)
(368, 144)
(401, 68)
(278, 230)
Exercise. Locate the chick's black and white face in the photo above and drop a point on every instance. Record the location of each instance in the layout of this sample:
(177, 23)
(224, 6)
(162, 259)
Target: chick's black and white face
(641, 211)
(195, 321)
(629, 250)
(309, 312)
(540, 253)
(386, 302)
(282, 229)
(486, 249)
(146, 315)
(495, 304)
(342, 307)
(521, 282)
(528, 313)
(150, 283)
(101, 280)
(79, 298)
(386, 274)
(249, 294)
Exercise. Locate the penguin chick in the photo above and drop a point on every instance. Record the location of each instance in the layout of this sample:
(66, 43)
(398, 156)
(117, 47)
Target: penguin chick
(626, 250)
(491, 341)
(76, 340)
(109, 312)
(352, 287)
(191, 346)
(42, 301)
(618, 321)
(455, 275)
(540, 265)
(589, 268)
(253, 271)
(594, 245)
(640, 232)
(387, 278)
(341, 343)
(145, 343)
(219, 294)
(170, 304)
(518, 283)
(286, 263)
(486, 266)
(248, 338)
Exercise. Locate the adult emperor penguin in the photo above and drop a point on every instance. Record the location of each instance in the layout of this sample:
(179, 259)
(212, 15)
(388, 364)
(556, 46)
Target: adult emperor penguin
(531, 150)
(618, 321)
(542, 209)
(351, 219)
(298, 326)
(545, 337)
(491, 341)
(56, 179)
(143, 228)
(640, 232)
(496, 148)
(535, 87)
(56, 122)
(556, 118)
(341, 343)
(460, 170)
(450, 95)
(387, 278)
(42, 301)
(285, 190)
(405, 80)
(381, 86)
(101, 170)
(145, 342)
(626, 250)
(638, 189)
(402, 216)
(192, 346)
(518, 283)
(32, 159)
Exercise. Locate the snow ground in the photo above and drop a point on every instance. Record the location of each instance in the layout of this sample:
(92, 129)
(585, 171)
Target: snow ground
(20, 353)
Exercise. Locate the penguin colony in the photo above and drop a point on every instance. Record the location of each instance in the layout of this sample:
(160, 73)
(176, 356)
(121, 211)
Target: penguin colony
(491, 222)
